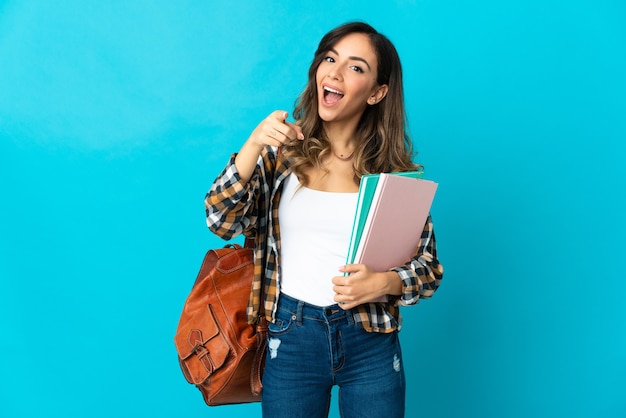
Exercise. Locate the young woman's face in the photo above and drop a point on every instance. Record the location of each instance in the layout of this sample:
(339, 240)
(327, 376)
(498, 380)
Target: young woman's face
(346, 80)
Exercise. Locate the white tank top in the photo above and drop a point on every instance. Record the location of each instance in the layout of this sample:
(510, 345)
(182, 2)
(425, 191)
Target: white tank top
(315, 230)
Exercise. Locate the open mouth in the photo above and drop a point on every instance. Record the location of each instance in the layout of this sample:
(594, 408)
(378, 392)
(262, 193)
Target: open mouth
(332, 96)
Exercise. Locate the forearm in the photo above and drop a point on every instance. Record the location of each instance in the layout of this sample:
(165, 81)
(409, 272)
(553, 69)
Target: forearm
(246, 159)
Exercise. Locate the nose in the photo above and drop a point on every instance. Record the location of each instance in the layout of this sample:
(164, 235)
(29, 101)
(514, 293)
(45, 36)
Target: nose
(334, 73)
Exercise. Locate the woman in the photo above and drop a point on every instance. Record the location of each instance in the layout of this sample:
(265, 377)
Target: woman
(293, 186)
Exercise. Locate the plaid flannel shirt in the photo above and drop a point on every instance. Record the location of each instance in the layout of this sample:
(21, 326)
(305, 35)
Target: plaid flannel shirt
(235, 207)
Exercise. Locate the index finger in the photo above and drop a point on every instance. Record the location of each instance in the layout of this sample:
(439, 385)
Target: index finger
(280, 115)
(351, 268)
(296, 129)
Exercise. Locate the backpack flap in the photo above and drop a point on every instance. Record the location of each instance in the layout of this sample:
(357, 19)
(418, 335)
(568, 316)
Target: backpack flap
(201, 348)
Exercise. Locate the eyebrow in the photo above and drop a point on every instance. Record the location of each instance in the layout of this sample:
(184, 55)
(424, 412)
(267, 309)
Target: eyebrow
(353, 58)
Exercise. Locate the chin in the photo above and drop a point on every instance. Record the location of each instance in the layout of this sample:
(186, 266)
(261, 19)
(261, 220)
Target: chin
(325, 117)
(325, 114)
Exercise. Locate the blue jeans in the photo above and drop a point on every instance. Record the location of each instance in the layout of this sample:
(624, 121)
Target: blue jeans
(312, 348)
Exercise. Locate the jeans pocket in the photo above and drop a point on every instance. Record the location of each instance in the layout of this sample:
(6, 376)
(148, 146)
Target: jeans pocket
(282, 325)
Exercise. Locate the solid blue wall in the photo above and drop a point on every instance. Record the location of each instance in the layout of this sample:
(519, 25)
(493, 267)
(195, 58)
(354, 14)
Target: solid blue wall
(115, 118)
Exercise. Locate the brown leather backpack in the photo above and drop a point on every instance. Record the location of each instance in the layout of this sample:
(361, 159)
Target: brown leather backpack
(218, 350)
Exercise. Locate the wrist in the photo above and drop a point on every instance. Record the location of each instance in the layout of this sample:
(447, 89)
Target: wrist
(252, 146)
(393, 283)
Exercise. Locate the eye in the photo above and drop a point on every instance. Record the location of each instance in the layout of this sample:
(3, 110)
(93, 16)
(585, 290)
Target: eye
(356, 68)
(329, 59)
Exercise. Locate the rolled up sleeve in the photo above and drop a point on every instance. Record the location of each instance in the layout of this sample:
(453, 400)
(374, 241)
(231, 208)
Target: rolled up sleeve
(422, 275)
(229, 204)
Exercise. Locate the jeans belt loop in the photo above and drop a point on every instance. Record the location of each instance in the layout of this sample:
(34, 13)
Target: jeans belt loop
(299, 314)
(350, 317)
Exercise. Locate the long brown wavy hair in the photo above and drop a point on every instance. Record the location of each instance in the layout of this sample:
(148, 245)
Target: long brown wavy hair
(382, 141)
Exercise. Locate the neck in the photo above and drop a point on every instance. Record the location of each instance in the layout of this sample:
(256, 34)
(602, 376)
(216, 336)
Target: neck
(341, 138)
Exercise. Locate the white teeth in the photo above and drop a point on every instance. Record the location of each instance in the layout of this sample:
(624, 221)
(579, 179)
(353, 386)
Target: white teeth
(332, 90)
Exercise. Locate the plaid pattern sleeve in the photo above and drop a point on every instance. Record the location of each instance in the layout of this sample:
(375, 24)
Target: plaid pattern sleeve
(420, 276)
(229, 203)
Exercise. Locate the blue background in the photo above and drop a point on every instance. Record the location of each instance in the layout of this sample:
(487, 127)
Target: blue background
(115, 117)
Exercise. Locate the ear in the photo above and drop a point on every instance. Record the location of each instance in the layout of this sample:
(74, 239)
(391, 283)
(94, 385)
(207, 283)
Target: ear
(379, 93)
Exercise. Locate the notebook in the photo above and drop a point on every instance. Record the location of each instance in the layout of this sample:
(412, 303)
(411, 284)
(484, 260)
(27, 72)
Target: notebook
(395, 221)
(367, 189)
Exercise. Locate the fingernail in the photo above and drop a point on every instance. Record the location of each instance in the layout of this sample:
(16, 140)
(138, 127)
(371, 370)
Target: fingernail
(300, 136)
